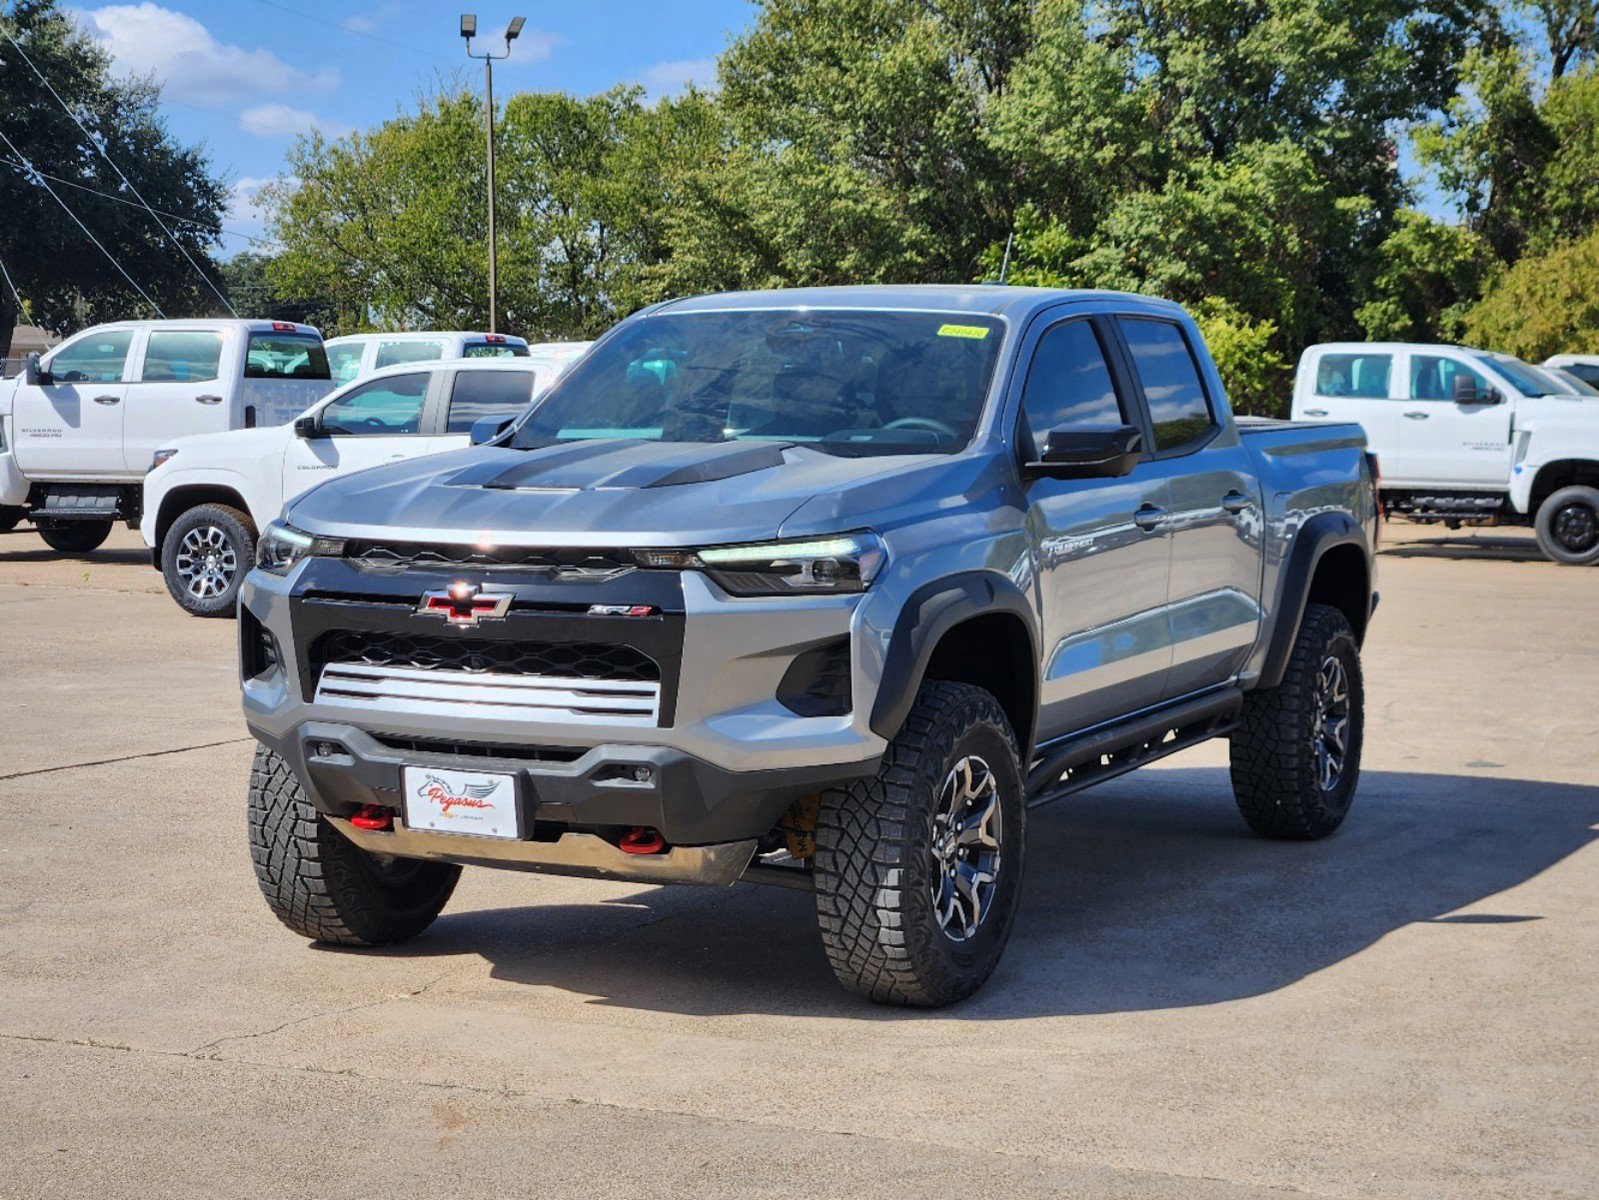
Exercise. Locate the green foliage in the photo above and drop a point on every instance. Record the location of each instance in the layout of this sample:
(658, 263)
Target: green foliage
(1429, 274)
(67, 281)
(1545, 304)
(1256, 376)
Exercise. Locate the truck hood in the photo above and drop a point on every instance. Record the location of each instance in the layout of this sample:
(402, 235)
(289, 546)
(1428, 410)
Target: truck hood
(231, 444)
(597, 493)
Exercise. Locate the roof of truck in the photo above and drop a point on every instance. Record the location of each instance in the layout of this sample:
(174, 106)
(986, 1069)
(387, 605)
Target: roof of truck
(212, 323)
(999, 300)
(424, 335)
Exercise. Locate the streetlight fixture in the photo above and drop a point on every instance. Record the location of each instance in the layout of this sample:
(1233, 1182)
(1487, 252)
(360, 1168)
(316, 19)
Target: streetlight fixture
(512, 32)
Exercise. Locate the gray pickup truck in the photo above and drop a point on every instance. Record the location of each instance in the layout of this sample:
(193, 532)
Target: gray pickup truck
(821, 588)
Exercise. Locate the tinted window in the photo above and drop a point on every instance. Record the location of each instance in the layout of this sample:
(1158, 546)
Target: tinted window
(845, 381)
(1362, 376)
(182, 357)
(393, 354)
(286, 356)
(98, 358)
(1433, 378)
(493, 350)
(488, 394)
(1583, 371)
(344, 362)
(1524, 377)
(1177, 405)
(1068, 385)
(382, 407)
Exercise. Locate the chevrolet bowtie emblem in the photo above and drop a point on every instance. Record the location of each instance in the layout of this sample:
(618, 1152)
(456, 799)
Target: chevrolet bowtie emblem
(464, 604)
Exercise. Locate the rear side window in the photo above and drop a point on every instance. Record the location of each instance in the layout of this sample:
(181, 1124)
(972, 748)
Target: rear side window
(1359, 376)
(1433, 377)
(98, 358)
(182, 357)
(381, 408)
(344, 362)
(493, 350)
(480, 394)
(1583, 371)
(1068, 386)
(1178, 409)
(392, 354)
(286, 356)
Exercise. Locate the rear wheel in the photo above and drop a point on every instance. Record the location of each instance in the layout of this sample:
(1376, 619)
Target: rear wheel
(918, 869)
(1568, 526)
(74, 537)
(205, 556)
(322, 885)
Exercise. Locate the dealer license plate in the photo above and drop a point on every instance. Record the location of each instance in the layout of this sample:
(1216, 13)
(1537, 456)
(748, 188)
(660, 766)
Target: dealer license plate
(470, 802)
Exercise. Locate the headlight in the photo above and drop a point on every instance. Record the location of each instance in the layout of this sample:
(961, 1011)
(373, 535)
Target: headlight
(821, 566)
(281, 546)
(161, 456)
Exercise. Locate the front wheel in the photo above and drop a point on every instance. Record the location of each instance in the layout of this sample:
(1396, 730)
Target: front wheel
(918, 869)
(74, 537)
(322, 885)
(1568, 526)
(205, 556)
(1296, 753)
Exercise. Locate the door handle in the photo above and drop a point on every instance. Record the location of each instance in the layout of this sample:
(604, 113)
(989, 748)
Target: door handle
(1236, 502)
(1418, 416)
(208, 399)
(1315, 412)
(1148, 518)
(108, 399)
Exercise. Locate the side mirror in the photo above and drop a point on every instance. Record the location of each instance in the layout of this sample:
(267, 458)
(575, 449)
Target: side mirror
(33, 374)
(1089, 453)
(1466, 391)
(308, 427)
(486, 429)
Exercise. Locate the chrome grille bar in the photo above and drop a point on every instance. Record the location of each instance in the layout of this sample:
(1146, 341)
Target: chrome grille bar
(475, 694)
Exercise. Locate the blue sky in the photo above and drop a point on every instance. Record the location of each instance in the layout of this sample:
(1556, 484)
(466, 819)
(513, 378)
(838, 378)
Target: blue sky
(243, 77)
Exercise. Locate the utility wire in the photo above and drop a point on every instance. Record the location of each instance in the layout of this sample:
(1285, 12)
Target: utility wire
(68, 210)
(342, 28)
(99, 145)
(22, 305)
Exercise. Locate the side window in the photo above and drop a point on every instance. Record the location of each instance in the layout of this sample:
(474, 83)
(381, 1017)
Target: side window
(98, 358)
(1178, 409)
(480, 394)
(1068, 386)
(177, 357)
(285, 356)
(1433, 377)
(493, 350)
(393, 354)
(381, 408)
(344, 362)
(1357, 376)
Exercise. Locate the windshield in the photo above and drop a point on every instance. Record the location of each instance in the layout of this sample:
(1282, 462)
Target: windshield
(1574, 382)
(845, 382)
(1524, 377)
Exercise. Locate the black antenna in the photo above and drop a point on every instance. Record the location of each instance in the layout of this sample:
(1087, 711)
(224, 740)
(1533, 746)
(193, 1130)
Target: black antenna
(1004, 266)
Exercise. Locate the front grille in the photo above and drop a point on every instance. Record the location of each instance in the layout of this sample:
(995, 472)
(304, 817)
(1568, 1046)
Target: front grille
(565, 660)
(573, 563)
(479, 695)
(552, 754)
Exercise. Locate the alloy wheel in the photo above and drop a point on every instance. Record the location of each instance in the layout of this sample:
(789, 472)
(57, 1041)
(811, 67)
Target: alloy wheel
(1331, 728)
(968, 828)
(206, 562)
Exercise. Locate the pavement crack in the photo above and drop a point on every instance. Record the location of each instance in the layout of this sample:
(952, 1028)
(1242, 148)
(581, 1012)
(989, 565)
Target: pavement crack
(102, 762)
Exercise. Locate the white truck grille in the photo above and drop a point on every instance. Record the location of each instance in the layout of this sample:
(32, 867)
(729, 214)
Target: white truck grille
(476, 694)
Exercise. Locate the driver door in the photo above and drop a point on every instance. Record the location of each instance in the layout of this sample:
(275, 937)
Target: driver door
(71, 428)
(365, 426)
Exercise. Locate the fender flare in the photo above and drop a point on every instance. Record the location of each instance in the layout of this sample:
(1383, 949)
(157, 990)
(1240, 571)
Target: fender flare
(218, 478)
(931, 611)
(1323, 532)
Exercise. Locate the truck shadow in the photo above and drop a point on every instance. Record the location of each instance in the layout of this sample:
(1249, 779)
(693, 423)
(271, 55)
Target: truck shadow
(1145, 894)
(1466, 548)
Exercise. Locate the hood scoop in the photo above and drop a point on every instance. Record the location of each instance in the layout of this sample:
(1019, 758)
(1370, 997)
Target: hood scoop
(618, 463)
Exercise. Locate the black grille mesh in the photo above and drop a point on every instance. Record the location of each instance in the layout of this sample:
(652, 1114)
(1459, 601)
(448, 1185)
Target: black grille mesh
(573, 563)
(579, 660)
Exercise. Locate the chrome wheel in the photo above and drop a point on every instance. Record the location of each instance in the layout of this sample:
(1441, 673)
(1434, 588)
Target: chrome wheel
(1576, 527)
(206, 562)
(1332, 721)
(968, 827)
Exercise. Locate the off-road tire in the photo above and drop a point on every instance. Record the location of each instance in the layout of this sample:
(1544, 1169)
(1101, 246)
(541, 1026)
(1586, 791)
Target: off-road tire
(10, 517)
(237, 532)
(1553, 520)
(1275, 765)
(74, 537)
(874, 868)
(322, 885)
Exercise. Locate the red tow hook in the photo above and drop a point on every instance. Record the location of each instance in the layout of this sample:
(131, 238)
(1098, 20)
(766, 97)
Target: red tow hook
(374, 817)
(641, 839)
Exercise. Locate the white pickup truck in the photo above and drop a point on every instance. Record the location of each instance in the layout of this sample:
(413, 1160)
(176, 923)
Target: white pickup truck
(208, 496)
(1465, 435)
(80, 427)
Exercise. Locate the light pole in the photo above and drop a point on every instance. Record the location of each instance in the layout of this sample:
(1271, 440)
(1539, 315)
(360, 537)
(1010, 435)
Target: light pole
(469, 31)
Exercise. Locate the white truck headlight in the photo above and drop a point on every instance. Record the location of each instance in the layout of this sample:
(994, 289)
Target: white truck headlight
(817, 566)
(282, 545)
(161, 456)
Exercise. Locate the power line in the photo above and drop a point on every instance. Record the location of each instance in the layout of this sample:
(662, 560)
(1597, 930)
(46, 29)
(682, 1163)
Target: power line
(126, 182)
(342, 28)
(22, 305)
(86, 232)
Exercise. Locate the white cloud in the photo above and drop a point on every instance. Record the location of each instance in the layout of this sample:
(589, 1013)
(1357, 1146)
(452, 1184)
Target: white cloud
(664, 78)
(191, 65)
(281, 121)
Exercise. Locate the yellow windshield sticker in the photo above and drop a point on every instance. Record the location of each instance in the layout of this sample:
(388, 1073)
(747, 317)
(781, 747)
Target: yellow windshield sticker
(965, 331)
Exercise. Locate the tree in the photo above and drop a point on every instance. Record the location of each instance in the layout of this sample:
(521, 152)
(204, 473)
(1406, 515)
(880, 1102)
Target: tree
(1545, 304)
(1255, 375)
(65, 279)
(246, 284)
(1429, 274)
